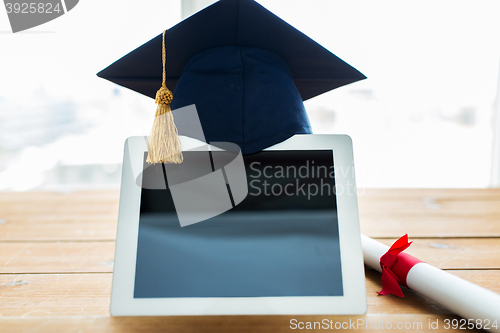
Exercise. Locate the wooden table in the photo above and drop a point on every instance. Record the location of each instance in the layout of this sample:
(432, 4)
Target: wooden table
(56, 260)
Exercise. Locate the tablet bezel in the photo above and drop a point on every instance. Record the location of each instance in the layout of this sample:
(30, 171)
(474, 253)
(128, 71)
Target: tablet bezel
(352, 302)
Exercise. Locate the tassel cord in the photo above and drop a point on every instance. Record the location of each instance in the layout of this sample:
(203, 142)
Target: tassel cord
(164, 145)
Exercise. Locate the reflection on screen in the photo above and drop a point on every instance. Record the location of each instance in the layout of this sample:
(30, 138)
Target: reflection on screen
(281, 240)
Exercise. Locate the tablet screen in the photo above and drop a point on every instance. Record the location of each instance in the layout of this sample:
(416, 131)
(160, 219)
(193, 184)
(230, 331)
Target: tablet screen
(281, 240)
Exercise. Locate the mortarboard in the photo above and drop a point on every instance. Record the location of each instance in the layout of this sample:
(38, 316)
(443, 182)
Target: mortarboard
(246, 70)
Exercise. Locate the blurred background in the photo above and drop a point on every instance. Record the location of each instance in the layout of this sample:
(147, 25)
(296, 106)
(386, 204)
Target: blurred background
(427, 116)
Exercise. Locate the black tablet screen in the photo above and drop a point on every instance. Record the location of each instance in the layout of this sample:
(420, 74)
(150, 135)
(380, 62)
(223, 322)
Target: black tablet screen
(281, 240)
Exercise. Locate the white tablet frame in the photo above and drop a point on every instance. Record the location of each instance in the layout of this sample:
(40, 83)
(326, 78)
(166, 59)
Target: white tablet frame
(352, 302)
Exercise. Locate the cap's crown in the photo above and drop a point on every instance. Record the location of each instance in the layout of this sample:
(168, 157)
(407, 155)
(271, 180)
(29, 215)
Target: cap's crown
(243, 95)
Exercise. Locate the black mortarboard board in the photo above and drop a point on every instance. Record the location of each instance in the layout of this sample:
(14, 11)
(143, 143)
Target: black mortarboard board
(222, 31)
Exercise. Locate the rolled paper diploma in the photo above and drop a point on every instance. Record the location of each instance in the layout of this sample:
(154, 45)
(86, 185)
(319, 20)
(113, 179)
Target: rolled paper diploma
(464, 298)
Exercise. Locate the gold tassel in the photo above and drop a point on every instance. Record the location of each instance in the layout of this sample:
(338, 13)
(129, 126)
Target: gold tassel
(164, 145)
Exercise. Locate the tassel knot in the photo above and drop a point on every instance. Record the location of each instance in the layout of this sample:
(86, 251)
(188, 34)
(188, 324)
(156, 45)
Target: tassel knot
(164, 95)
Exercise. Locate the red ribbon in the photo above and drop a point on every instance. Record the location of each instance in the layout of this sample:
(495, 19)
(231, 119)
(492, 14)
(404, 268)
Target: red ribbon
(395, 267)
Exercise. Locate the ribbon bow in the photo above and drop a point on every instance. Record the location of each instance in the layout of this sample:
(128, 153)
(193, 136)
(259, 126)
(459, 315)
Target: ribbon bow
(395, 267)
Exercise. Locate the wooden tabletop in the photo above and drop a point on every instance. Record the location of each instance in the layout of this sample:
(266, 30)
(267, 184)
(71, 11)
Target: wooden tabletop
(57, 249)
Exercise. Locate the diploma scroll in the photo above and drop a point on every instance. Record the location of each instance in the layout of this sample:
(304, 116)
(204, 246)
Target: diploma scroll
(462, 297)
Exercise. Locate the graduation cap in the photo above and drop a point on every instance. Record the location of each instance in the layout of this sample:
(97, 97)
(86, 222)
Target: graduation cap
(246, 70)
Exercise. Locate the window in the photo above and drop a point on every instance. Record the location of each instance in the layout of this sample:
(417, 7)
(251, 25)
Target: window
(423, 118)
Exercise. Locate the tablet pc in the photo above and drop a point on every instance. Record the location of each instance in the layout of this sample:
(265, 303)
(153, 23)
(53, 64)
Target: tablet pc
(290, 245)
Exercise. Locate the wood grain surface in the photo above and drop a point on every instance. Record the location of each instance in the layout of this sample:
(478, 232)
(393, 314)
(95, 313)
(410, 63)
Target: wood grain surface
(97, 256)
(57, 250)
